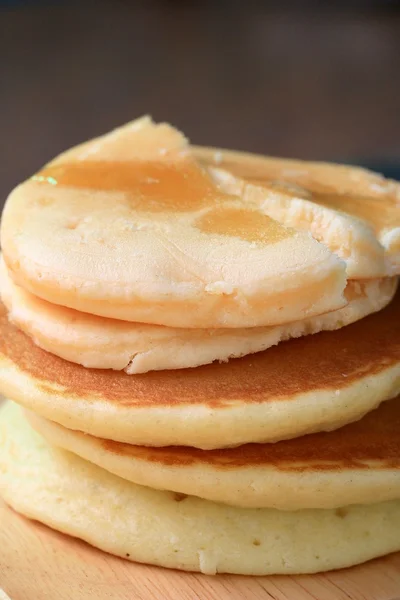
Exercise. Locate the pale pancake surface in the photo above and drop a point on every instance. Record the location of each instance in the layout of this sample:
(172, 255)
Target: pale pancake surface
(166, 529)
(339, 204)
(314, 383)
(131, 226)
(103, 343)
(356, 464)
(349, 237)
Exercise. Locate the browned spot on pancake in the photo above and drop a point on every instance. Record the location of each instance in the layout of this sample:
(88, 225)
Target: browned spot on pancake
(341, 512)
(256, 542)
(179, 497)
(328, 360)
(371, 443)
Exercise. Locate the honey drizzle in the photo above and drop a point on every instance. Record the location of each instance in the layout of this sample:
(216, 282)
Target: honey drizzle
(166, 186)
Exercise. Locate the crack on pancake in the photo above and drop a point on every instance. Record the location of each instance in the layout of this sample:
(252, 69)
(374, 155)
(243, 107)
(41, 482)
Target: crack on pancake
(178, 497)
(364, 348)
(341, 512)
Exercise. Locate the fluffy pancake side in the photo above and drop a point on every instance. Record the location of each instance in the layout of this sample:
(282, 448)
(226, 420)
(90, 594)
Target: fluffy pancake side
(102, 343)
(162, 528)
(356, 464)
(269, 396)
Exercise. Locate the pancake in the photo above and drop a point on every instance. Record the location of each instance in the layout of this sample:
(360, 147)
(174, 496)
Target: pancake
(355, 192)
(314, 383)
(349, 237)
(356, 464)
(166, 529)
(99, 342)
(132, 227)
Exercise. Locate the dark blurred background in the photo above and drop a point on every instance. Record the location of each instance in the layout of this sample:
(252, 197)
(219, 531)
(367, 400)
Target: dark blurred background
(306, 79)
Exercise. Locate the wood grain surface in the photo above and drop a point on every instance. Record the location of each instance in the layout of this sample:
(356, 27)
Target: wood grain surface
(37, 563)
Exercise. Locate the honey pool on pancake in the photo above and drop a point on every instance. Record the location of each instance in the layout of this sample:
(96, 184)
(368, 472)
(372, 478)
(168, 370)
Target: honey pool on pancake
(174, 186)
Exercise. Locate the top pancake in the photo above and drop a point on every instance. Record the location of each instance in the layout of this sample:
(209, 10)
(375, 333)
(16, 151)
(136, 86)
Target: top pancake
(130, 226)
(354, 211)
(314, 383)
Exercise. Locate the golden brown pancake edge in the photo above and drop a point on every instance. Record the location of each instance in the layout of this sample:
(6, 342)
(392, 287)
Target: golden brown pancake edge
(327, 360)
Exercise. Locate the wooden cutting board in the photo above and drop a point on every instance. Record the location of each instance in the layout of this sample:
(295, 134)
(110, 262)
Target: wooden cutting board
(37, 563)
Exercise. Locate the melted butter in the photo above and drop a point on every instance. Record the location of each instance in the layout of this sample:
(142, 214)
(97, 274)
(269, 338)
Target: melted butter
(247, 225)
(151, 186)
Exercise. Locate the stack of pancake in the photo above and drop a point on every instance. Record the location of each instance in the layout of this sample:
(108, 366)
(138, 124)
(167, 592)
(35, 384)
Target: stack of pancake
(200, 343)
